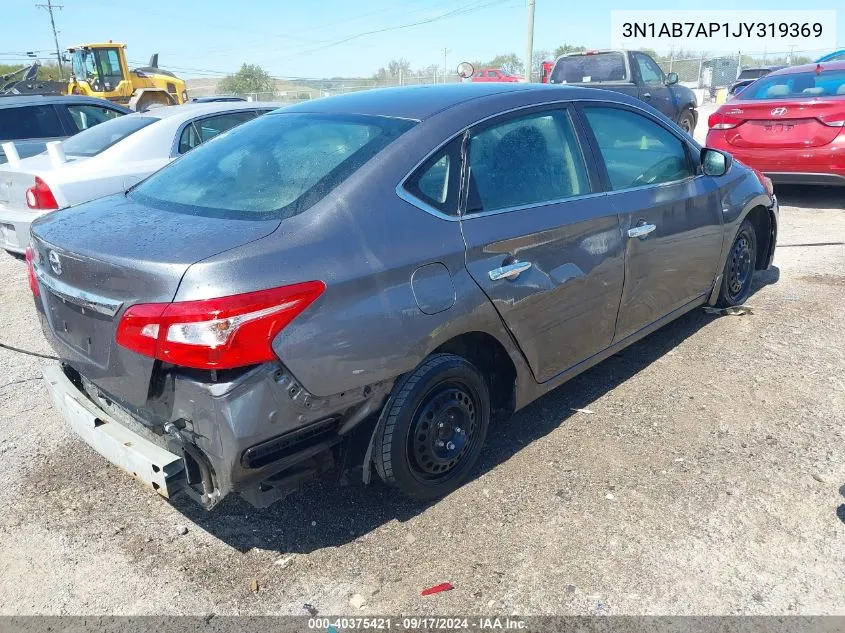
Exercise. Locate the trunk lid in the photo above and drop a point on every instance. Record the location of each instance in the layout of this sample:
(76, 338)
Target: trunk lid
(783, 124)
(101, 257)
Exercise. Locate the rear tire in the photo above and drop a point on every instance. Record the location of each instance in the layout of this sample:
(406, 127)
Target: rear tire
(739, 268)
(434, 428)
(687, 122)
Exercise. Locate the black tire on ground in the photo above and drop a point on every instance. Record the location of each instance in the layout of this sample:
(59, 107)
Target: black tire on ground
(434, 427)
(686, 121)
(739, 268)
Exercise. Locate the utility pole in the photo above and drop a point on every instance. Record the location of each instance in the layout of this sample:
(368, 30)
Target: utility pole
(446, 51)
(789, 59)
(529, 41)
(50, 6)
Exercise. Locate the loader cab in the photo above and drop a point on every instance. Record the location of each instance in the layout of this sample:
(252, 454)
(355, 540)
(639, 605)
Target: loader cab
(100, 70)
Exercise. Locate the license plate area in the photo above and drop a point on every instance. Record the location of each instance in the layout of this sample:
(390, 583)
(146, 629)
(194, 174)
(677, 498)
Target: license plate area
(83, 329)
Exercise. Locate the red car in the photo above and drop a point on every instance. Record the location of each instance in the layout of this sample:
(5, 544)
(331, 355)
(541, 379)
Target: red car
(494, 74)
(790, 125)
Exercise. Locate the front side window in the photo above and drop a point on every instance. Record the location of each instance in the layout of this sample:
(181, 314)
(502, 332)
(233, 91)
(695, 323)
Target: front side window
(29, 122)
(636, 150)
(273, 167)
(530, 160)
(85, 116)
(649, 71)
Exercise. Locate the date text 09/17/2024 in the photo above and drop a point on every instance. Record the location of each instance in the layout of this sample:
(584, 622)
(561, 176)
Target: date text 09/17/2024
(342, 624)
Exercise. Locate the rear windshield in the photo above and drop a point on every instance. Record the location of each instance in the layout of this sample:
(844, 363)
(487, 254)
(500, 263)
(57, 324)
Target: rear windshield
(96, 139)
(798, 86)
(585, 69)
(273, 167)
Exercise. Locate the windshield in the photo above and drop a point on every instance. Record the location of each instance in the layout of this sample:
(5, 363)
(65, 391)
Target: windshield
(100, 67)
(589, 69)
(753, 73)
(806, 85)
(94, 140)
(275, 166)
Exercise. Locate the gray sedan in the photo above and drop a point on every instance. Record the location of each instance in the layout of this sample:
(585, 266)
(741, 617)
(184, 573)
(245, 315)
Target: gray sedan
(365, 281)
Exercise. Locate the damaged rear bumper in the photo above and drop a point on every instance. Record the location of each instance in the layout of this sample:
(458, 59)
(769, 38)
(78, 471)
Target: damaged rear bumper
(258, 434)
(147, 462)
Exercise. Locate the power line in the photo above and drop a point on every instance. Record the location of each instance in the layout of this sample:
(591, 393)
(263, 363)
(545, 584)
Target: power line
(473, 6)
(50, 6)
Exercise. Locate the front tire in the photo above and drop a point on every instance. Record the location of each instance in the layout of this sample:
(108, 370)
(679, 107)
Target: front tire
(739, 268)
(687, 122)
(434, 428)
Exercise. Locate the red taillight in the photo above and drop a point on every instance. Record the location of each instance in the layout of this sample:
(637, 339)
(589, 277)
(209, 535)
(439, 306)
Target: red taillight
(720, 121)
(39, 196)
(766, 182)
(30, 272)
(220, 333)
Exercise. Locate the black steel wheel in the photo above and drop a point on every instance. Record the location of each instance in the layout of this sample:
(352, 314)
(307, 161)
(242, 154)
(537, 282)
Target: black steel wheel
(433, 428)
(739, 267)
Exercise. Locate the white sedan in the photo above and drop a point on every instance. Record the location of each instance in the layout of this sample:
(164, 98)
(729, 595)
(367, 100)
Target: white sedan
(107, 159)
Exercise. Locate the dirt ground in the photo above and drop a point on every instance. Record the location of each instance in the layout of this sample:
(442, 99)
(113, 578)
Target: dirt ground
(706, 478)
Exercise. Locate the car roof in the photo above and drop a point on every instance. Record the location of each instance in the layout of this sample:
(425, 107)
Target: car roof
(789, 70)
(17, 101)
(192, 109)
(424, 101)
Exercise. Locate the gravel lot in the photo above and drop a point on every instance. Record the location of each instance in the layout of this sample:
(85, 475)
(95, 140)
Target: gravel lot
(707, 479)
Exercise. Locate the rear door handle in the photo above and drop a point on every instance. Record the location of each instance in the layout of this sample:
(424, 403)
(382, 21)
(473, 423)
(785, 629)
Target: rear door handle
(647, 95)
(642, 230)
(511, 271)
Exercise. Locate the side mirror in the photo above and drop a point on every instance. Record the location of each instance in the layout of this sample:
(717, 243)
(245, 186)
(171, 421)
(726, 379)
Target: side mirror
(714, 162)
(671, 79)
(465, 70)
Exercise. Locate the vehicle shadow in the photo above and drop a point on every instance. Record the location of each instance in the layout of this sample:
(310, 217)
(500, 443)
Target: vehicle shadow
(810, 197)
(326, 514)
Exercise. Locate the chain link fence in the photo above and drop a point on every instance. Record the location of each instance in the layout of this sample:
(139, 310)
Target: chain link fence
(705, 73)
(710, 72)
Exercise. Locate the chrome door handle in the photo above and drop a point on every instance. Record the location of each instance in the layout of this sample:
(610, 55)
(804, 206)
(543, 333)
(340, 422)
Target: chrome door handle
(647, 95)
(642, 230)
(511, 271)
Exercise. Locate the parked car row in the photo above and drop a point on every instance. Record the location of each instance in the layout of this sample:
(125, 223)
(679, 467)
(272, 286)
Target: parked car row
(107, 159)
(365, 281)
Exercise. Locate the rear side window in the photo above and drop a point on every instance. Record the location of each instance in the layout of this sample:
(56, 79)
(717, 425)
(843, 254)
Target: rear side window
(29, 122)
(100, 137)
(637, 151)
(529, 160)
(276, 166)
(437, 181)
(586, 69)
(206, 129)
(87, 116)
(830, 83)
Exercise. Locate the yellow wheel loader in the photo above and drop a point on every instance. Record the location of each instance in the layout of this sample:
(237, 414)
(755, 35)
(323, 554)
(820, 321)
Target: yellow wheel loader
(100, 70)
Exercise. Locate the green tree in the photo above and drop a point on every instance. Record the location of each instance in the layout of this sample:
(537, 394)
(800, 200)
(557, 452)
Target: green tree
(510, 63)
(250, 78)
(568, 48)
